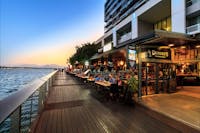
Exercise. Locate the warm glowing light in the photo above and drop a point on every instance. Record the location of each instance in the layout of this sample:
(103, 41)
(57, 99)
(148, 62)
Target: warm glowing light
(198, 46)
(183, 47)
(121, 63)
(168, 28)
(148, 64)
(143, 55)
(164, 47)
(171, 45)
(182, 70)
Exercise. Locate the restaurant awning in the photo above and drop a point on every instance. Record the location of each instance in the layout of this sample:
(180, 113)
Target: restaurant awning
(164, 38)
(105, 54)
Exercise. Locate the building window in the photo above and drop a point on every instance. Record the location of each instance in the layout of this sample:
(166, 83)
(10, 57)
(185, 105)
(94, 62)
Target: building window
(164, 24)
(193, 21)
(169, 24)
(191, 2)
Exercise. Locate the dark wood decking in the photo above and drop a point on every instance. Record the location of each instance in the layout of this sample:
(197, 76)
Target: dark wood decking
(71, 108)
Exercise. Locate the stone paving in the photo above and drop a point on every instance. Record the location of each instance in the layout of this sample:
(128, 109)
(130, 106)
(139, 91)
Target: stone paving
(183, 106)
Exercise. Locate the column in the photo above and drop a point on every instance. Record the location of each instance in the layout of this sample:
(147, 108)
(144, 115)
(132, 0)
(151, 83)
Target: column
(178, 14)
(134, 24)
(139, 72)
(114, 33)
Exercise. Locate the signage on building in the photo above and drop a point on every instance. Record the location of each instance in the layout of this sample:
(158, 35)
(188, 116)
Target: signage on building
(131, 54)
(107, 47)
(100, 50)
(159, 54)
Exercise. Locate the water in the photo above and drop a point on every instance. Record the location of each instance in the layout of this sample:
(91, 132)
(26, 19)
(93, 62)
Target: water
(12, 80)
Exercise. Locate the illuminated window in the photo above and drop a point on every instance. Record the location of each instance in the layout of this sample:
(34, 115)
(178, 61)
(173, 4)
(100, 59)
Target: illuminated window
(164, 24)
(169, 24)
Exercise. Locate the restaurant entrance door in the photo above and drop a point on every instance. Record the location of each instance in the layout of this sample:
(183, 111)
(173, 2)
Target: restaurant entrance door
(158, 78)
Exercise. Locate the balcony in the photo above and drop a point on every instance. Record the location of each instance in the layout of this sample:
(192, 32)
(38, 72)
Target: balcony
(125, 37)
(194, 29)
(193, 7)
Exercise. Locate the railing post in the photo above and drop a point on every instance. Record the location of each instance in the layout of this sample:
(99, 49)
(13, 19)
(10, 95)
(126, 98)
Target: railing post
(31, 110)
(47, 88)
(50, 84)
(51, 81)
(16, 121)
(41, 98)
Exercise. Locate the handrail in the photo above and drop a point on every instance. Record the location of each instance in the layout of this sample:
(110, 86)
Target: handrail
(12, 102)
(193, 29)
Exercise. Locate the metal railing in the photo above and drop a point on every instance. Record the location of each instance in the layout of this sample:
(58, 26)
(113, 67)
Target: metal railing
(194, 29)
(19, 110)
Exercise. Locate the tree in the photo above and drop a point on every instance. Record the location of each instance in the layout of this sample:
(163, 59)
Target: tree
(84, 52)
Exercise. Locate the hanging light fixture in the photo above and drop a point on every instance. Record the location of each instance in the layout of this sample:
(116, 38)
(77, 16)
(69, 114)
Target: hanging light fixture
(198, 46)
(171, 45)
(121, 63)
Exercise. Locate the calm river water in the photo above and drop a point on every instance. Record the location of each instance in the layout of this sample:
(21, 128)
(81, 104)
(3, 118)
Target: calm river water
(14, 79)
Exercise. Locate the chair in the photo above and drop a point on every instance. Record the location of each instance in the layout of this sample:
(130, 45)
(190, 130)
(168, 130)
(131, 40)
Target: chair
(114, 91)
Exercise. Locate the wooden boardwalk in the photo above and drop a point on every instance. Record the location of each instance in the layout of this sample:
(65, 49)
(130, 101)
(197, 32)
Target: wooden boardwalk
(70, 108)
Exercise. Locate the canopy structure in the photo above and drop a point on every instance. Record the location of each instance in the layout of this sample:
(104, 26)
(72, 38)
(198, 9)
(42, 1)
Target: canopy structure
(164, 38)
(106, 54)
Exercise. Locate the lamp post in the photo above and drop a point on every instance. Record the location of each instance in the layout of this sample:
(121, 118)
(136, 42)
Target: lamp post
(139, 71)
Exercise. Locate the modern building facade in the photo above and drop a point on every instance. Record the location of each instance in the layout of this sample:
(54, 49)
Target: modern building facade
(130, 19)
(128, 23)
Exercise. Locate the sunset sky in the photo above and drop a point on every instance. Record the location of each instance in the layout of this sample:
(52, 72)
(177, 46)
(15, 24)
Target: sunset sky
(47, 31)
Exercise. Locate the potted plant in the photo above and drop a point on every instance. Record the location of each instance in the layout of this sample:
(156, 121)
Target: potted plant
(132, 87)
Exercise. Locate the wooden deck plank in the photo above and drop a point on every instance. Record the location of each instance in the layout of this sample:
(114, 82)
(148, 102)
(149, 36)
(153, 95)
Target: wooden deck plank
(68, 121)
(93, 124)
(63, 121)
(40, 127)
(49, 122)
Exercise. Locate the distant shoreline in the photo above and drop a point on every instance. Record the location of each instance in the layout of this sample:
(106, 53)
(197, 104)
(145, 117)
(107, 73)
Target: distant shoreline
(5, 67)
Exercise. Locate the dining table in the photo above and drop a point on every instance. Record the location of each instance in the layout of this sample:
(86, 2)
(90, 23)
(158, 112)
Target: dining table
(103, 83)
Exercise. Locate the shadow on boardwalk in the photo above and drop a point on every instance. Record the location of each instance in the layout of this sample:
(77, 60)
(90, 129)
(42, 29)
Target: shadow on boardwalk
(71, 108)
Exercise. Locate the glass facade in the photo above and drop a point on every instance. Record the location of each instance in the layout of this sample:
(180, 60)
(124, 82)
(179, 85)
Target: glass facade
(184, 53)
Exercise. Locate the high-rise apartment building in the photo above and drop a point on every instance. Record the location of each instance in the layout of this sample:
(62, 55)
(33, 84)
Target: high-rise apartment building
(129, 19)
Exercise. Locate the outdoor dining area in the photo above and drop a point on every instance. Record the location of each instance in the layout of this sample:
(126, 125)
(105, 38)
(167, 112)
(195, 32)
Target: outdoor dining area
(120, 84)
(115, 81)
(112, 85)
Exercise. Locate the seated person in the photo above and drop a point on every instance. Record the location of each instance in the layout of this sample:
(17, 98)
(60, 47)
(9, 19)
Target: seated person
(98, 78)
(160, 74)
(91, 76)
(119, 81)
(87, 72)
(112, 80)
